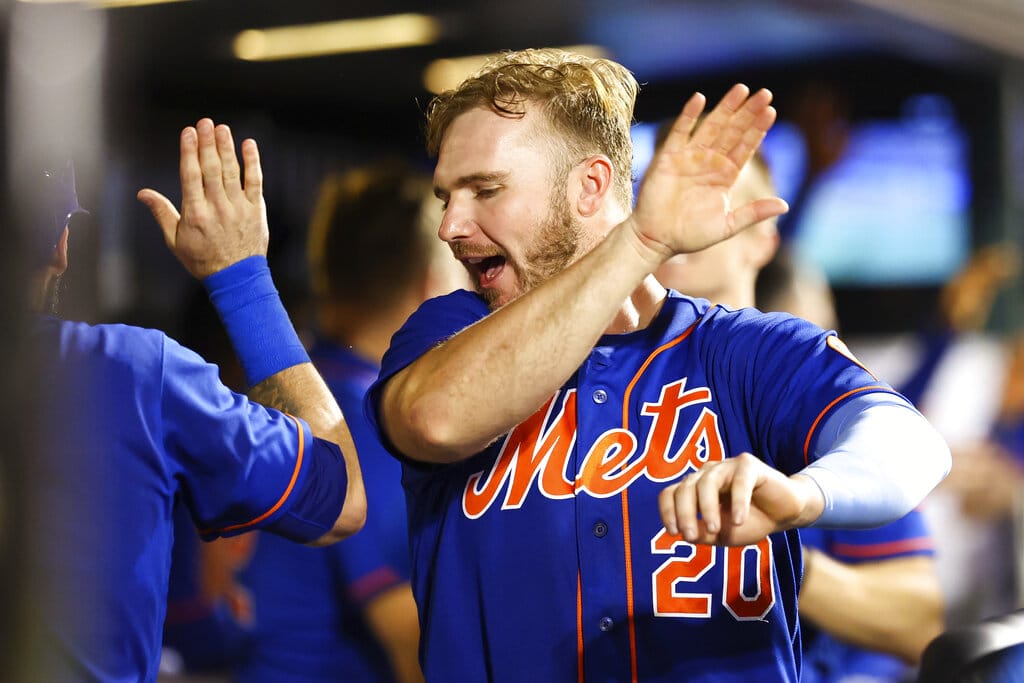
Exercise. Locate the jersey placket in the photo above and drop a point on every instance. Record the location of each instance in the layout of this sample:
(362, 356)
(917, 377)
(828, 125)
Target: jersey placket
(601, 529)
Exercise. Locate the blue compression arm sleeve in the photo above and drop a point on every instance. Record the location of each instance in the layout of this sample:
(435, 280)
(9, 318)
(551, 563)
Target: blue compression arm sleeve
(880, 459)
(257, 324)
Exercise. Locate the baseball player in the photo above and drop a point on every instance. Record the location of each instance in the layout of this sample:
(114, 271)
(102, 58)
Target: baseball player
(135, 420)
(872, 602)
(354, 599)
(604, 478)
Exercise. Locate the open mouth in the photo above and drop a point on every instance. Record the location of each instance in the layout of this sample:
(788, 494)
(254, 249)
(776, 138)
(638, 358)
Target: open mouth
(487, 269)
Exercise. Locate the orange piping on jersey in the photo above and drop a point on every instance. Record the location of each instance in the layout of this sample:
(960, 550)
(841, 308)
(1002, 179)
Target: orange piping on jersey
(630, 617)
(629, 585)
(284, 496)
(821, 415)
(907, 545)
(579, 628)
(640, 372)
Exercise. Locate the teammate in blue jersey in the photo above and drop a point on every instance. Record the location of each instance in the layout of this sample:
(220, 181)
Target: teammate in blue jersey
(373, 260)
(604, 479)
(134, 420)
(872, 602)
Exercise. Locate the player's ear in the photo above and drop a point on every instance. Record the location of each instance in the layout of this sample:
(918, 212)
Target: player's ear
(595, 174)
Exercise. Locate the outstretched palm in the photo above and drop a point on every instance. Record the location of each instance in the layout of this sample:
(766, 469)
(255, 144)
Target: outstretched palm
(221, 221)
(683, 205)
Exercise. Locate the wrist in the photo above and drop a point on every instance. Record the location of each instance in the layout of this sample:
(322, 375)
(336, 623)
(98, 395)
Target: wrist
(651, 252)
(250, 307)
(814, 500)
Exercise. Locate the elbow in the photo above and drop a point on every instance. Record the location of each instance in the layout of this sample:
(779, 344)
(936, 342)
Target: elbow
(929, 622)
(425, 430)
(351, 519)
(353, 512)
(931, 625)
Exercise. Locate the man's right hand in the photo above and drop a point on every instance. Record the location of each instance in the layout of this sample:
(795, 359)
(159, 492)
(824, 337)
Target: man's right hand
(683, 204)
(221, 222)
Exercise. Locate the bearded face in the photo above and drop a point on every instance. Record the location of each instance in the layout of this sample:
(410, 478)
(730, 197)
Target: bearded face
(555, 245)
(507, 216)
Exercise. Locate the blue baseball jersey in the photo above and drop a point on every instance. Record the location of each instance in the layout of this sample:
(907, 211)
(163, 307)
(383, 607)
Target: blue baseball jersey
(134, 421)
(828, 660)
(544, 557)
(202, 631)
(309, 601)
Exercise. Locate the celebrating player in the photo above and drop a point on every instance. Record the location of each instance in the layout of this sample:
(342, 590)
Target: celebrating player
(603, 478)
(136, 420)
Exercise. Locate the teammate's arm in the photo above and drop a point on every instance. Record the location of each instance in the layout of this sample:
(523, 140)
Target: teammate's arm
(460, 396)
(393, 619)
(893, 605)
(221, 236)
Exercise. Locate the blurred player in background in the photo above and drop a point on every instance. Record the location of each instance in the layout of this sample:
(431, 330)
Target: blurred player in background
(347, 612)
(135, 420)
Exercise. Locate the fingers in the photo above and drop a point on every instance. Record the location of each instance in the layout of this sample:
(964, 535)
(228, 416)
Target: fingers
(231, 174)
(679, 509)
(683, 126)
(188, 167)
(163, 211)
(693, 508)
(715, 122)
(742, 491)
(209, 160)
(253, 171)
(750, 115)
(737, 125)
(755, 212)
(739, 148)
(667, 509)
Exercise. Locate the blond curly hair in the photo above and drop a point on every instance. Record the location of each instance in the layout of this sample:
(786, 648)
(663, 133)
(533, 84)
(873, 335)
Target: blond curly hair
(587, 101)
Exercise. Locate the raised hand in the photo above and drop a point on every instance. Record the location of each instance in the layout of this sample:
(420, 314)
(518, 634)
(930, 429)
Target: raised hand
(221, 221)
(683, 204)
(738, 501)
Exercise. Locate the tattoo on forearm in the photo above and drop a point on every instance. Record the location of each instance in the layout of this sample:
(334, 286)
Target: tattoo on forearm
(273, 392)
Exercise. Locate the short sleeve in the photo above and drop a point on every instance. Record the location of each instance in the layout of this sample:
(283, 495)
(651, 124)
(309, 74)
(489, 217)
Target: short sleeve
(241, 465)
(435, 321)
(786, 375)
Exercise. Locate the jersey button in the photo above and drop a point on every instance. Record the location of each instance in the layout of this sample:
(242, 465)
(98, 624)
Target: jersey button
(600, 396)
(606, 624)
(600, 529)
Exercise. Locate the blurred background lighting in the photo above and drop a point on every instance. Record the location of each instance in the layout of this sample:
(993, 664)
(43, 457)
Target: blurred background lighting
(336, 37)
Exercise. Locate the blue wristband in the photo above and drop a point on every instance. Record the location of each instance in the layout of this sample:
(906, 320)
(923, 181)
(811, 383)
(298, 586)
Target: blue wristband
(260, 329)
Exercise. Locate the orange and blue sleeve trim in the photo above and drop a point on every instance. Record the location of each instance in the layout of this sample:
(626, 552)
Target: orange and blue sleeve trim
(315, 494)
(825, 411)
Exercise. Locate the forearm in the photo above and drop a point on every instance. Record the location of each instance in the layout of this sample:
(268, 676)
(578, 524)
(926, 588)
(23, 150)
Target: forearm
(893, 606)
(301, 391)
(279, 370)
(881, 458)
(461, 395)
